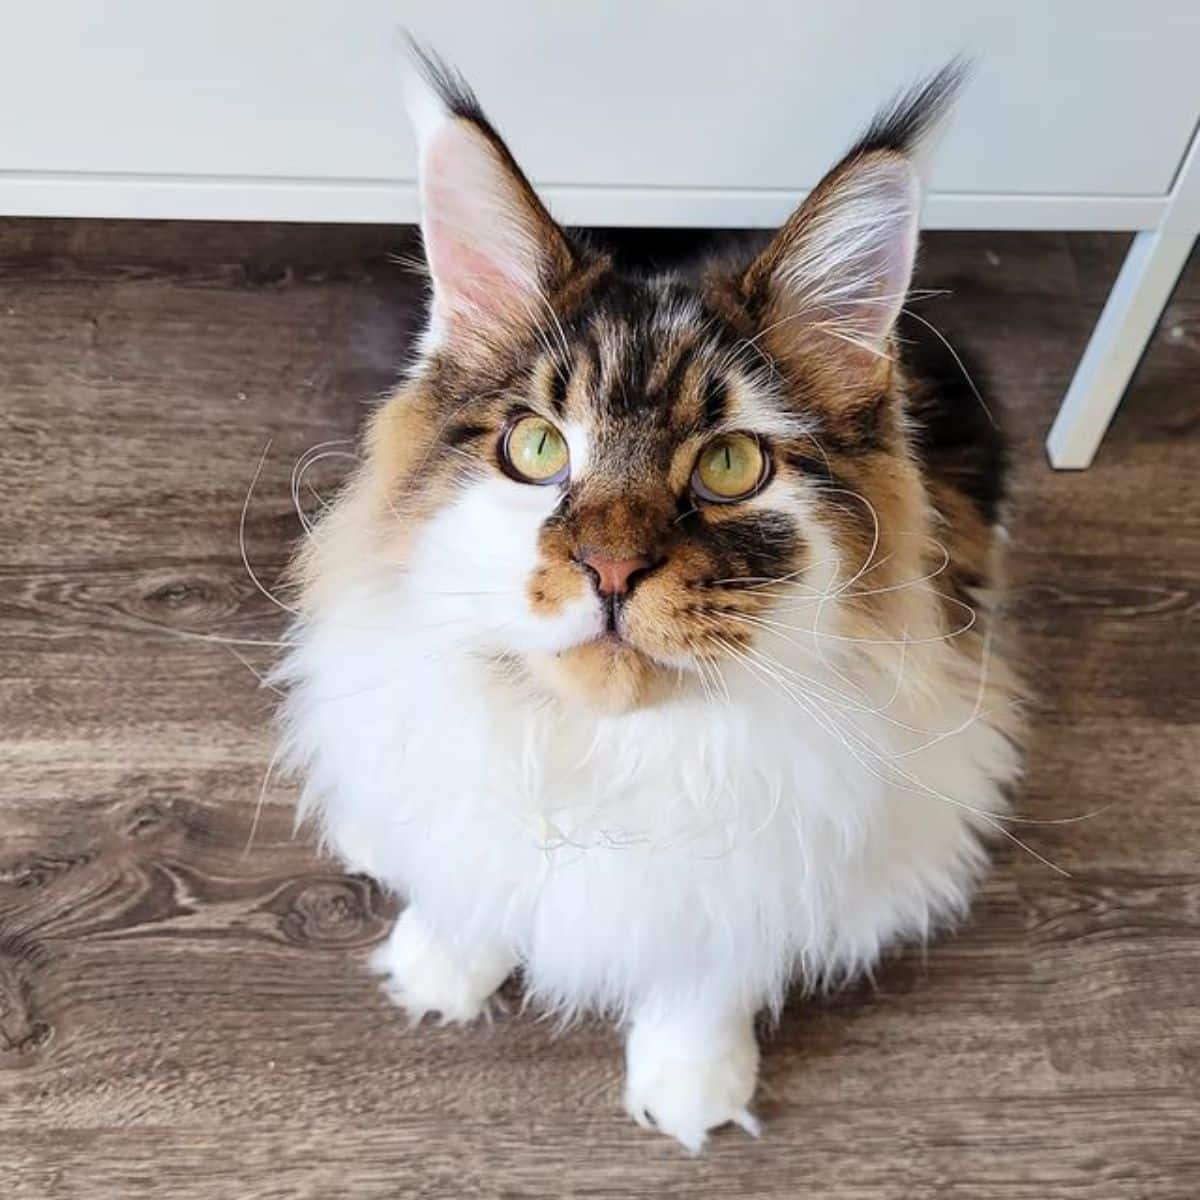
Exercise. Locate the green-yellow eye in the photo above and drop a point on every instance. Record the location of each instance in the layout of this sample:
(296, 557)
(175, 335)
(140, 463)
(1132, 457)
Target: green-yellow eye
(535, 452)
(731, 467)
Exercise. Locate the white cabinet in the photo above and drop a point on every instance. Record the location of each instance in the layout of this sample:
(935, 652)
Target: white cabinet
(671, 112)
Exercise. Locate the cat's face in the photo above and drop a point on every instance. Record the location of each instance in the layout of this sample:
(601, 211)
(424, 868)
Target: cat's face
(622, 480)
(640, 487)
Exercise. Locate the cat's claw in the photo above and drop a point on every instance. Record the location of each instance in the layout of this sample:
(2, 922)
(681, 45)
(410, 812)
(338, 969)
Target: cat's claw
(422, 977)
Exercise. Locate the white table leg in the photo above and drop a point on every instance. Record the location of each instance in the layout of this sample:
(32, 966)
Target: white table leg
(1130, 316)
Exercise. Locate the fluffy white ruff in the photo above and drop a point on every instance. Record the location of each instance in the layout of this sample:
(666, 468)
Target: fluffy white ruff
(709, 850)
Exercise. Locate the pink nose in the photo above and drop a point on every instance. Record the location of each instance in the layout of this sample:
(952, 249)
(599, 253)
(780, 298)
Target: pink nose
(612, 574)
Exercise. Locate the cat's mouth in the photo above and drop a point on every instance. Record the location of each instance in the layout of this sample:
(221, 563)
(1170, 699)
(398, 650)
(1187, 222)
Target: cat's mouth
(607, 673)
(614, 639)
(611, 637)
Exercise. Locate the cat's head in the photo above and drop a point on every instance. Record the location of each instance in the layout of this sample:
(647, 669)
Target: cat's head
(619, 479)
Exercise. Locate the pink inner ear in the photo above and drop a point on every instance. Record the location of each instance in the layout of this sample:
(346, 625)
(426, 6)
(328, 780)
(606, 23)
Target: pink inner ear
(889, 280)
(852, 262)
(482, 257)
(466, 280)
(897, 247)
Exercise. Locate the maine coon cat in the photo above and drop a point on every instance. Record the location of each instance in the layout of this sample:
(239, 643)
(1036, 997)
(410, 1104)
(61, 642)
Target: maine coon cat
(649, 650)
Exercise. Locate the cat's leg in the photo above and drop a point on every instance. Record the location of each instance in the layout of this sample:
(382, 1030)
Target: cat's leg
(423, 975)
(691, 1066)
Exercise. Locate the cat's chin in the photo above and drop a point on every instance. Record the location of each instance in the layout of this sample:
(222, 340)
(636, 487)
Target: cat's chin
(605, 674)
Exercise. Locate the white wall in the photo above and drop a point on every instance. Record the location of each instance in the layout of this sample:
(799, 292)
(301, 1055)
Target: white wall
(630, 111)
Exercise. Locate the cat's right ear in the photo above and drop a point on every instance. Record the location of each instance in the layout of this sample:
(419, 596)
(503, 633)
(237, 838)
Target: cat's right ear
(494, 252)
(836, 276)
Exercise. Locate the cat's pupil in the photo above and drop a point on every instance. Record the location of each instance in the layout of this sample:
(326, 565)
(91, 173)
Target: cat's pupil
(728, 459)
(542, 443)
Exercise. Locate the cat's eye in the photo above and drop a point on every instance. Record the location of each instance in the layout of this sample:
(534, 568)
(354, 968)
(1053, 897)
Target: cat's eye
(731, 467)
(534, 451)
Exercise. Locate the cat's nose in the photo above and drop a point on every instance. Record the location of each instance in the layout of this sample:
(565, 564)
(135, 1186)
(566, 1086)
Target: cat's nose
(615, 576)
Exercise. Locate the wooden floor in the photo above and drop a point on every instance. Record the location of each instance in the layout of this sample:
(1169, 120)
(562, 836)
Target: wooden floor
(183, 1008)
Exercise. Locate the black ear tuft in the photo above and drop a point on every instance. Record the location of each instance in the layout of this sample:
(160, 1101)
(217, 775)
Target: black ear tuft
(901, 125)
(447, 82)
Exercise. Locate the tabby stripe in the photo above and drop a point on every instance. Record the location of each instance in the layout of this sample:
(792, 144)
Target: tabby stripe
(716, 399)
(559, 381)
(456, 435)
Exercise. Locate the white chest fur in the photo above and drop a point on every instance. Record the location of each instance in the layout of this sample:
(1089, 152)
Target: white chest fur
(734, 841)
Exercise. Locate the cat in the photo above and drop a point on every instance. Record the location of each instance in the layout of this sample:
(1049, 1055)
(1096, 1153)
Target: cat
(650, 649)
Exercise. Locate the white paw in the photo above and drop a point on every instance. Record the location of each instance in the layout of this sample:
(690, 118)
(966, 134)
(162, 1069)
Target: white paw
(422, 977)
(687, 1088)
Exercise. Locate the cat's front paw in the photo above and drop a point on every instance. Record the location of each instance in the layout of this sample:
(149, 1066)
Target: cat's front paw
(422, 976)
(688, 1088)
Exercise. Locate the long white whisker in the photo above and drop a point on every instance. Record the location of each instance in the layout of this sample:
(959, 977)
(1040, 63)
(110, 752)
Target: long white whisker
(991, 819)
(262, 796)
(263, 681)
(958, 361)
(242, 538)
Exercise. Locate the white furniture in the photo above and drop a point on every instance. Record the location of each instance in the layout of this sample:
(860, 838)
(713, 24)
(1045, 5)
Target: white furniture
(1134, 306)
(1082, 115)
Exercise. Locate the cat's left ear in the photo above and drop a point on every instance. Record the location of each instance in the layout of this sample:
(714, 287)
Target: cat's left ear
(494, 252)
(837, 274)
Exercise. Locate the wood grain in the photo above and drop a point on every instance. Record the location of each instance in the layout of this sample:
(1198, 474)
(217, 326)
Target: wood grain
(183, 1006)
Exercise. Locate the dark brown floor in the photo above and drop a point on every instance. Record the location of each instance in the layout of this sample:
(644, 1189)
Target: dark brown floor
(183, 1016)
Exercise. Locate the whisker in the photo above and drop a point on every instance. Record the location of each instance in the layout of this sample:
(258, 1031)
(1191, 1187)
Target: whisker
(262, 797)
(263, 681)
(884, 756)
(305, 462)
(213, 638)
(854, 639)
(958, 362)
(242, 538)
(991, 819)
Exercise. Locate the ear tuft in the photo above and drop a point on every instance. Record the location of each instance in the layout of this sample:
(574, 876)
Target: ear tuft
(433, 89)
(914, 116)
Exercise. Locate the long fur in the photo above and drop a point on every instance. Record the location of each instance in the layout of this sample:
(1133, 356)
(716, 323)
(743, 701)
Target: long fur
(796, 754)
